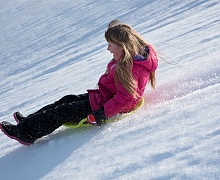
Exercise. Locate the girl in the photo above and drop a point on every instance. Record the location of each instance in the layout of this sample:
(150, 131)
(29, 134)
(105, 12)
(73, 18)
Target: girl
(119, 89)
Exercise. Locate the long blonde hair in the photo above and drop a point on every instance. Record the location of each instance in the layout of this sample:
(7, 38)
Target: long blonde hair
(132, 43)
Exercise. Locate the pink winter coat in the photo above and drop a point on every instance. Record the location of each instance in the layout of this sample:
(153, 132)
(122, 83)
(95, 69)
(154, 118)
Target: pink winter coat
(116, 99)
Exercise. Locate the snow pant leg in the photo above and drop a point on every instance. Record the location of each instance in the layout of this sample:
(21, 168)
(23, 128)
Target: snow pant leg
(65, 99)
(45, 122)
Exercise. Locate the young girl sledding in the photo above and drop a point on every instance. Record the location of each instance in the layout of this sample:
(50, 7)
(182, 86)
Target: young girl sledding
(120, 89)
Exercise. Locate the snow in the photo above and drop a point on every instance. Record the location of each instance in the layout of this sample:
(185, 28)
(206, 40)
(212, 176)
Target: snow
(53, 48)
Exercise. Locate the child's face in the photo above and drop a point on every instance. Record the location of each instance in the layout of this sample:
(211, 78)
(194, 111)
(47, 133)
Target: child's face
(116, 50)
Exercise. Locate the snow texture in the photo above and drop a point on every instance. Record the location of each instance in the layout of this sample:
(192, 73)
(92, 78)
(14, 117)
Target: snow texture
(53, 48)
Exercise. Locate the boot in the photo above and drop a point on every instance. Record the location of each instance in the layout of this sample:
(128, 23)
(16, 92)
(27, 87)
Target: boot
(15, 133)
(18, 117)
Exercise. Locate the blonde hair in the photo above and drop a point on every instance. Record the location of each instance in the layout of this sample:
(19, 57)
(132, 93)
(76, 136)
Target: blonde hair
(132, 43)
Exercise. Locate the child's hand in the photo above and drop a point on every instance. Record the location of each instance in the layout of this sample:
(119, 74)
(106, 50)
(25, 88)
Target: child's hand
(96, 117)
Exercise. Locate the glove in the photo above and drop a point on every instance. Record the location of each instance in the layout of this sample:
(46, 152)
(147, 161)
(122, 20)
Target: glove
(96, 117)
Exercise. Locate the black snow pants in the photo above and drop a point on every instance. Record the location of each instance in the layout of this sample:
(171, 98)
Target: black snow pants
(70, 108)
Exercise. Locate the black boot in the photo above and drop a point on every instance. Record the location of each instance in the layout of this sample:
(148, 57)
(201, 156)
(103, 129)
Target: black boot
(15, 133)
(18, 117)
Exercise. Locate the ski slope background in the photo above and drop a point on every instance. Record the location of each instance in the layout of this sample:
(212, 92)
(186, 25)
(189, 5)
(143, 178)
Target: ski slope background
(53, 48)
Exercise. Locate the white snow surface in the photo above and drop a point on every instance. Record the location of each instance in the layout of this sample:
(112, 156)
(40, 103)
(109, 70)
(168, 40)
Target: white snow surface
(53, 48)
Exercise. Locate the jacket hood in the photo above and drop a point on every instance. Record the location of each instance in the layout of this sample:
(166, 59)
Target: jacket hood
(143, 55)
(147, 59)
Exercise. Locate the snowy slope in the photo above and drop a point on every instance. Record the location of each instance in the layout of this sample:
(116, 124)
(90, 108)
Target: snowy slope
(52, 48)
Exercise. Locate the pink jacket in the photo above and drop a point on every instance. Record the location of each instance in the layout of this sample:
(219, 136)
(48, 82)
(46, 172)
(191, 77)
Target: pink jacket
(116, 99)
